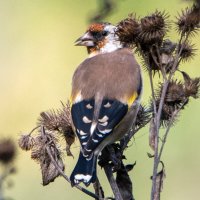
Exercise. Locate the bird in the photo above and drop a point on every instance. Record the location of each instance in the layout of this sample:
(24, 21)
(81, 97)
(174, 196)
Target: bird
(105, 96)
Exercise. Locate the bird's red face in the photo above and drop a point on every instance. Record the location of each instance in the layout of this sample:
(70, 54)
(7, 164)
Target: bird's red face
(97, 37)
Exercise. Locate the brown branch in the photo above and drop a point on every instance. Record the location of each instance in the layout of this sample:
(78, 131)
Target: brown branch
(98, 189)
(61, 172)
(157, 155)
(113, 184)
(168, 128)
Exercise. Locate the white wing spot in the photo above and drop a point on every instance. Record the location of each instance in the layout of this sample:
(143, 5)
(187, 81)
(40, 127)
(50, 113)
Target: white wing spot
(89, 106)
(105, 131)
(89, 158)
(99, 135)
(104, 119)
(84, 143)
(85, 178)
(95, 141)
(83, 137)
(104, 124)
(108, 105)
(86, 120)
(82, 133)
(89, 150)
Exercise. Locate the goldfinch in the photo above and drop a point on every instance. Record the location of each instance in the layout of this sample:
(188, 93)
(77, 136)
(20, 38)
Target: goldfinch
(106, 91)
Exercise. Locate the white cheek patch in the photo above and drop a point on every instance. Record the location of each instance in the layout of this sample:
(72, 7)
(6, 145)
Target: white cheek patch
(80, 177)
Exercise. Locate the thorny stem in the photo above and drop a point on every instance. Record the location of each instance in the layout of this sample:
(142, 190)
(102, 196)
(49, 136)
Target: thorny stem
(157, 122)
(112, 182)
(60, 170)
(168, 129)
(157, 155)
(98, 189)
(34, 129)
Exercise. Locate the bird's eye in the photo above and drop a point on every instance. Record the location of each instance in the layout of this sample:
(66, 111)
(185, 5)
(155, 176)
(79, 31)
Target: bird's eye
(104, 33)
(99, 35)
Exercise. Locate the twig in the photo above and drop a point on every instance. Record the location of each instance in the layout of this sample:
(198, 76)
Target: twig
(98, 189)
(112, 182)
(168, 129)
(62, 173)
(158, 116)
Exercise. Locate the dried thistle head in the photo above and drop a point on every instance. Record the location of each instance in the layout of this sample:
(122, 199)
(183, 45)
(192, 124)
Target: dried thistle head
(26, 142)
(188, 20)
(66, 127)
(46, 143)
(175, 93)
(59, 121)
(167, 113)
(153, 28)
(128, 30)
(50, 120)
(192, 86)
(39, 149)
(143, 116)
(7, 151)
(187, 51)
(175, 99)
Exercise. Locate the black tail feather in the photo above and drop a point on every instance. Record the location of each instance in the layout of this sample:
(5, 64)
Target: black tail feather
(84, 171)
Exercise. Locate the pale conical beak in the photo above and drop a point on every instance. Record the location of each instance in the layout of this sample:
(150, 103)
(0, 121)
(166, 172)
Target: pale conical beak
(86, 40)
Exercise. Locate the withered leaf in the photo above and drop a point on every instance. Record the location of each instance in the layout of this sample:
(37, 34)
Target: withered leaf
(50, 171)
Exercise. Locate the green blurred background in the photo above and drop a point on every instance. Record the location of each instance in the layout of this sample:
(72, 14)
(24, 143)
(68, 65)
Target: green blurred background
(37, 61)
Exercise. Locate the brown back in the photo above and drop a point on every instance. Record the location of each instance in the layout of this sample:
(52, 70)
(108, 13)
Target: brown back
(114, 75)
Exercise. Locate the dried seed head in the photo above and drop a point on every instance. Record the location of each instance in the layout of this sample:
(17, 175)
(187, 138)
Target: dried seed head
(188, 20)
(143, 116)
(59, 121)
(69, 137)
(45, 143)
(167, 113)
(128, 30)
(192, 86)
(168, 47)
(188, 51)
(175, 93)
(175, 99)
(7, 151)
(50, 120)
(153, 28)
(39, 149)
(26, 142)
